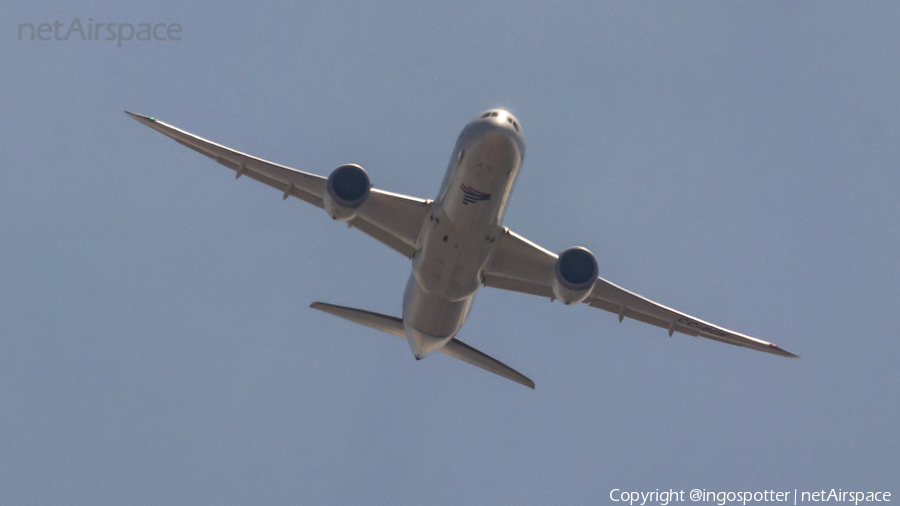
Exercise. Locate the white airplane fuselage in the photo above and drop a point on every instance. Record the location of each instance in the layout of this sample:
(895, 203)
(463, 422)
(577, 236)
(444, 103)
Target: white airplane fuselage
(457, 238)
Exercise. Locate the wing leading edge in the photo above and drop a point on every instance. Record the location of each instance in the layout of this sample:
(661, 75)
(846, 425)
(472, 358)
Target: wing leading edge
(390, 218)
(520, 265)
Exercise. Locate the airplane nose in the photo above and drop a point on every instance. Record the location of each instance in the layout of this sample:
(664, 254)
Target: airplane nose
(499, 117)
(497, 138)
(496, 150)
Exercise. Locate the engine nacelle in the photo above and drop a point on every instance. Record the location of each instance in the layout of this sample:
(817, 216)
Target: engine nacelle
(348, 188)
(574, 275)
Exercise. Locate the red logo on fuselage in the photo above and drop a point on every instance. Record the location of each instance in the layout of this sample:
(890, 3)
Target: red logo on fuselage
(472, 195)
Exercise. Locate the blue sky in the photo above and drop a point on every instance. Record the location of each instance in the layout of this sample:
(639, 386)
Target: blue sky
(736, 161)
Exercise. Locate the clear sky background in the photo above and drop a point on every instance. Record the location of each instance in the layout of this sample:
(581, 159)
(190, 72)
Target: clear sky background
(739, 161)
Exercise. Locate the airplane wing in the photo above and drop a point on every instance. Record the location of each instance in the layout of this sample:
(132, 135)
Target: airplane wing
(391, 218)
(520, 265)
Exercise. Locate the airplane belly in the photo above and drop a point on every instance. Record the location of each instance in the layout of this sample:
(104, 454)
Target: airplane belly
(459, 233)
(429, 319)
(449, 262)
(458, 236)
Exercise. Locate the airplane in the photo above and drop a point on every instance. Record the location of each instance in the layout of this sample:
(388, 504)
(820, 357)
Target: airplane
(457, 243)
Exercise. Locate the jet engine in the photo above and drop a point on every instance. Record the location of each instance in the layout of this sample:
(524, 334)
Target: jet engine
(348, 188)
(574, 275)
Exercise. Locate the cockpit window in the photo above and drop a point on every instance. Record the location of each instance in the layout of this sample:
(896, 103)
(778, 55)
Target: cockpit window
(495, 114)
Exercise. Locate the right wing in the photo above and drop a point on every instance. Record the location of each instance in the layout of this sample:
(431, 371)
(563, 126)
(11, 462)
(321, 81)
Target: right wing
(391, 218)
(522, 266)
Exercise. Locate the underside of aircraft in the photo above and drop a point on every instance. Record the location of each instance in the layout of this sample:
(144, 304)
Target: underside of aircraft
(457, 243)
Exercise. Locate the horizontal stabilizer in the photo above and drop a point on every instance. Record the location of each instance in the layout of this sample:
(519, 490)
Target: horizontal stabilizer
(378, 321)
(458, 349)
(455, 348)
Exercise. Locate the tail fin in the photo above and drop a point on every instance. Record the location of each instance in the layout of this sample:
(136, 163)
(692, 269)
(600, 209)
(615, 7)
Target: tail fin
(455, 348)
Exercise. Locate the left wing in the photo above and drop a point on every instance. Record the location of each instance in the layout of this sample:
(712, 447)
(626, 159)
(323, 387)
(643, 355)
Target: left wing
(391, 218)
(522, 266)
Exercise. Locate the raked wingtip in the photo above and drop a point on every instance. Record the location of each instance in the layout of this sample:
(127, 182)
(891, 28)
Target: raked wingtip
(140, 117)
